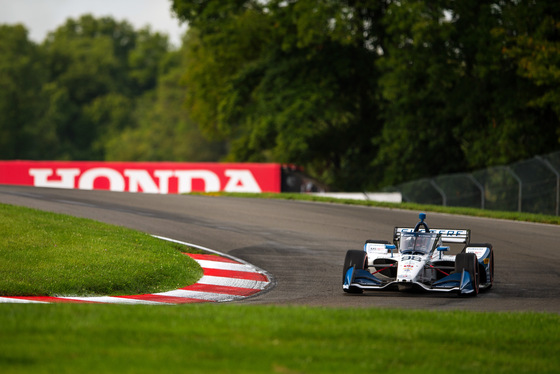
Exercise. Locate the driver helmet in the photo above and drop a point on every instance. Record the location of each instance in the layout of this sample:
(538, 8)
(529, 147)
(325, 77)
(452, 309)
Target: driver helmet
(422, 242)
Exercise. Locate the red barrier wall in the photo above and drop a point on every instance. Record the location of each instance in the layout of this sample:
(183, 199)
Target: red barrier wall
(149, 177)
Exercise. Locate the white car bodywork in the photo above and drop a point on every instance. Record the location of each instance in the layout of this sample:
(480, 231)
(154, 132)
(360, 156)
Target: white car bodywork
(417, 260)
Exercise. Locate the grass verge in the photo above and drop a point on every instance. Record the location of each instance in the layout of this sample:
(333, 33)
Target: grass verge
(514, 216)
(48, 254)
(272, 339)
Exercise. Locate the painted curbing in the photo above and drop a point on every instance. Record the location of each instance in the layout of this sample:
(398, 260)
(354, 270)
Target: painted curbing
(225, 278)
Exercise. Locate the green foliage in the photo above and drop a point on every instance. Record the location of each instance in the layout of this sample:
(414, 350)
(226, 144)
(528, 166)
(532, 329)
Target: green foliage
(497, 126)
(88, 60)
(535, 49)
(163, 129)
(361, 93)
(145, 59)
(418, 77)
(21, 79)
(96, 89)
(366, 93)
(280, 94)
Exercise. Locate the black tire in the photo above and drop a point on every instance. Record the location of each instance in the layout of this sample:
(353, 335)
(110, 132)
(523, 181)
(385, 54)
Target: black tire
(468, 262)
(491, 269)
(356, 259)
(491, 257)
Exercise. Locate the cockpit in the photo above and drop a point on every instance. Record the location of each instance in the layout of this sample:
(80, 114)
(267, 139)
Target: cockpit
(417, 243)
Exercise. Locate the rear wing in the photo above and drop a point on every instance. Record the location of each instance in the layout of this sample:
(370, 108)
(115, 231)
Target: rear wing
(447, 235)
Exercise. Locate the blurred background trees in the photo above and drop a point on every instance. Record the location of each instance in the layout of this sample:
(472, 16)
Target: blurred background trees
(96, 89)
(361, 93)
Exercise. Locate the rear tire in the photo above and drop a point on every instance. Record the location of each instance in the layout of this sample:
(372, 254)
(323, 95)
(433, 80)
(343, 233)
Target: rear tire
(468, 262)
(358, 260)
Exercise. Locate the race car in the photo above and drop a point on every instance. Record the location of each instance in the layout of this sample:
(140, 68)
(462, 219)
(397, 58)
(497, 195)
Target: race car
(417, 261)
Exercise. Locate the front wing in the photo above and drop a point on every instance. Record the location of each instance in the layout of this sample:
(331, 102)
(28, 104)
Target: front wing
(364, 280)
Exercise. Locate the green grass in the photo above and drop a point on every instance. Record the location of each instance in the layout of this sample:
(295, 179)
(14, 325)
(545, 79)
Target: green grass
(47, 254)
(272, 339)
(514, 216)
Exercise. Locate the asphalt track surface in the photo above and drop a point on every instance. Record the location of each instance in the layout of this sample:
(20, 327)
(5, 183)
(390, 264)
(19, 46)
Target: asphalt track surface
(302, 245)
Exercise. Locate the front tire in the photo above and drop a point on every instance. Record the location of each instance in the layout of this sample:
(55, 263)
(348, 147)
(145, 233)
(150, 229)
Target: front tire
(491, 265)
(469, 262)
(486, 279)
(358, 260)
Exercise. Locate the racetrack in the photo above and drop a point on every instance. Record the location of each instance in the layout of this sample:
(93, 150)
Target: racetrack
(302, 245)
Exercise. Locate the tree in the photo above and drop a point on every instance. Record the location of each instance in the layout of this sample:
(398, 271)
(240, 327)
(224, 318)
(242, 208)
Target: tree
(361, 93)
(257, 78)
(496, 127)
(163, 129)
(455, 98)
(21, 102)
(145, 59)
(98, 69)
(532, 34)
(419, 73)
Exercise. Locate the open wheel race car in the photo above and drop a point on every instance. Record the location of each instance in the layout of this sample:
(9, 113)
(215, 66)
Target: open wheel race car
(416, 260)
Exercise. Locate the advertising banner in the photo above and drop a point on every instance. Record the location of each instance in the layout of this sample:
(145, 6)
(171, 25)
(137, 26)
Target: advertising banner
(147, 177)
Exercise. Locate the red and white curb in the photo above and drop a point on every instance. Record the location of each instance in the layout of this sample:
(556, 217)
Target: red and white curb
(225, 278)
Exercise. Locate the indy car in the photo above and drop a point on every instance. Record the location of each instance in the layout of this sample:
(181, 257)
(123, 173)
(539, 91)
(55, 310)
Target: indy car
(417, 261)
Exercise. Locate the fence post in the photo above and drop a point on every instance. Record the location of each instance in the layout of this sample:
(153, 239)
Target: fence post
(520, 194)
(549, 165)
(441, 192)
(480, 187)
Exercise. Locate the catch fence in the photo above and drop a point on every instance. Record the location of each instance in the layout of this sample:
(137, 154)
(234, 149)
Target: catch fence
(531, 186)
